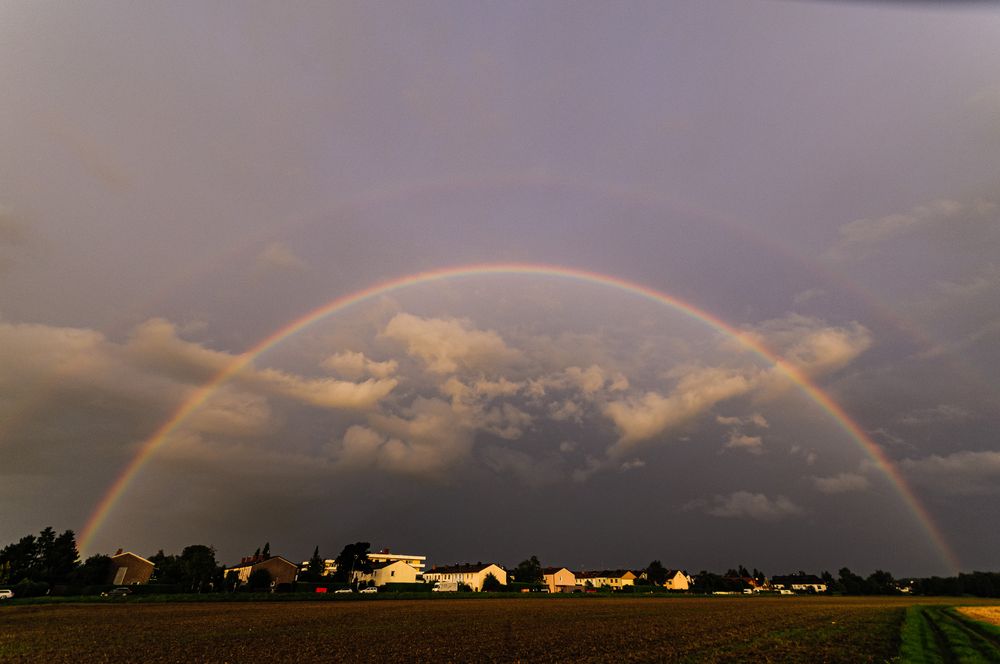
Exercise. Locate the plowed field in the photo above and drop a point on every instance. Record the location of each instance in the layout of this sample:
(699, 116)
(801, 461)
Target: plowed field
(498, 630)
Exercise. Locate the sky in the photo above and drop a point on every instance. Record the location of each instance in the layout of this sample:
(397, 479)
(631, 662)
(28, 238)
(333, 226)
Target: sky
(761, 324)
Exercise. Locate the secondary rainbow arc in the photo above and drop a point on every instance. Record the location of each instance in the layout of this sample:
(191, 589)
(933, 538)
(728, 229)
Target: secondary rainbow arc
(197, 398)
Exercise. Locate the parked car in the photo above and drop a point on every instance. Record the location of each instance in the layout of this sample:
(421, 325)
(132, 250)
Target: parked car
(6, 594)
(343, 590)
(121, 591)
(369, 590)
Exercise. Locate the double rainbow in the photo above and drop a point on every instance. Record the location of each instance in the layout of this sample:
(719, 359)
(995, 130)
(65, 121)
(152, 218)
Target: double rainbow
(159, 437)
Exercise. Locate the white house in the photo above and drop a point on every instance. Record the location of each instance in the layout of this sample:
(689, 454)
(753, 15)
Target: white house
(392, 572)
(616, 579)
(559, 579)
(678, 580)
(471, 575)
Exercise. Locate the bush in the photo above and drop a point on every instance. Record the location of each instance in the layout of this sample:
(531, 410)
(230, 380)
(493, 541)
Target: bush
(29, 588)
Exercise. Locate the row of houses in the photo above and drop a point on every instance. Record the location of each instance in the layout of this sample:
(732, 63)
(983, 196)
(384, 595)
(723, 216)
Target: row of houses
(386, 567)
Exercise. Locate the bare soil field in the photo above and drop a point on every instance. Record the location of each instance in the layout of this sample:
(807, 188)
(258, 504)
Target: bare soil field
(786, 629)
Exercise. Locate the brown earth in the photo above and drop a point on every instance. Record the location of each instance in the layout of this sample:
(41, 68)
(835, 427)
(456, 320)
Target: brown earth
(786, 629)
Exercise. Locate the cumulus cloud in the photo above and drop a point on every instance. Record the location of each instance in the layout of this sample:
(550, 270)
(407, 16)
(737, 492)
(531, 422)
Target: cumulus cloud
(279, 256)
(427, 439)
(756, 419)
(354, 365)
(811, 345)
(739, 441)
(944, 412)
(841, 483)
(807, 295)
(645, 417)
(446, 345)
(961, 473)
(744, 504)
(156, 344)
(860, 236)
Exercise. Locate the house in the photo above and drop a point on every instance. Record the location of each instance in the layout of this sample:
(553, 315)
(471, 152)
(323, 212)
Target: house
(128, 569)
(615, 579)
(385, 556)
(280, 569)
(379, 557)
(471, 575)
(396, 571)
(559, 579)
(803, 583)
(678, 580)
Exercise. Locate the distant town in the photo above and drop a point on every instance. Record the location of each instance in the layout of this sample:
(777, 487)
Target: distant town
(49, 564)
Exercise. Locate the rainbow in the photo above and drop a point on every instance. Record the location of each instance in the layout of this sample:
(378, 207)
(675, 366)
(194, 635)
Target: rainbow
(159, 437)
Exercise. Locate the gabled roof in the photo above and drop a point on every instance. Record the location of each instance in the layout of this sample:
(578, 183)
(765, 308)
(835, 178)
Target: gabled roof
(604, 574)
(134, 555)
(464, 568)
(554, 570)
(253, 562)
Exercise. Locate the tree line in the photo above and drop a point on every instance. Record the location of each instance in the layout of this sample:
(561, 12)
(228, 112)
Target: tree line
(37, 564)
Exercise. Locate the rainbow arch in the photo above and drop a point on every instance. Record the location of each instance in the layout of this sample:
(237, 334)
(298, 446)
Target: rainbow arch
(160, 436)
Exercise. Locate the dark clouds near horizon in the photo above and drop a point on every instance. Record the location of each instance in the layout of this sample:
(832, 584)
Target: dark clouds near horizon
(179, 181)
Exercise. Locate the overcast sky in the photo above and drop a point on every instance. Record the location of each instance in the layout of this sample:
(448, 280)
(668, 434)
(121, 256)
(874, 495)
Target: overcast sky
(179, 180)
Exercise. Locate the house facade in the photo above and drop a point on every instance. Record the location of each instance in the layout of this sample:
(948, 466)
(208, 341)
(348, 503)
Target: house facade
(380, 557)
(280, 569)
(559, 579)
(615, 579)
(396, 571)
(677, 580)
(129, 569)
(803, 583)
(471, 575)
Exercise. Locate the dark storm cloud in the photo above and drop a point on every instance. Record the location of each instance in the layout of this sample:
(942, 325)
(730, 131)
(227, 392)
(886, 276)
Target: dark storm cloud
(816, 174)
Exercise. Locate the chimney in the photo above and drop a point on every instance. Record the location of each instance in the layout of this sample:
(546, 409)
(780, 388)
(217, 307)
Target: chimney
(118, 552)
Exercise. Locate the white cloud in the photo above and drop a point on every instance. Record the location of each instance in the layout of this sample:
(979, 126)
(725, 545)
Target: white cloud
(354, 365)
(861, 236)
(632, 464)
(653, 413)
(808, 295)
(841, 483)
(279, 256)
(755, 419)
(751, 444)
(757, 506)
(811, 345)
(962, 473)
(941, 413)
(446, 345)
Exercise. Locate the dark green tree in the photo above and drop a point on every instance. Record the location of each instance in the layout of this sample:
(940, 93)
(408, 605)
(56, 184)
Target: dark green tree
(528, 571)
(315, 568)
(353, 560)
(169, 570)
(656, 573)
(198, 567)
(259, 580)
(852, 583)
(266, 553)
(95, 571)
(63, 559)
(491, 584)
(881, 583)
(17, 560)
